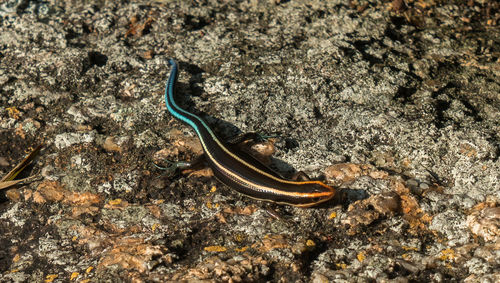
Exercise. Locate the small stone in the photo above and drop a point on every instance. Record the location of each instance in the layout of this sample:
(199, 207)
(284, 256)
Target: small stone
(4, 162)
(13, 195)
(485, 223)
(111, 145)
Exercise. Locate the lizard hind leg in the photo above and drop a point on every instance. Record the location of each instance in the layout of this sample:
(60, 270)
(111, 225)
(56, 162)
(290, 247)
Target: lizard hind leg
(252, 137)
(175, 166)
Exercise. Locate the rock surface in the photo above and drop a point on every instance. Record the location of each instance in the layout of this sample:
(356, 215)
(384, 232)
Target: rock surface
(396, 103)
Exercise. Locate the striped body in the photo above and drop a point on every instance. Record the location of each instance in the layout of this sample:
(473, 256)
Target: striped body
(248, 178)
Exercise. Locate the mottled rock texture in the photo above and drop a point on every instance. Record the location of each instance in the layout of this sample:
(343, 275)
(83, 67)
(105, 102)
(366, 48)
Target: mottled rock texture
(396, 103)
